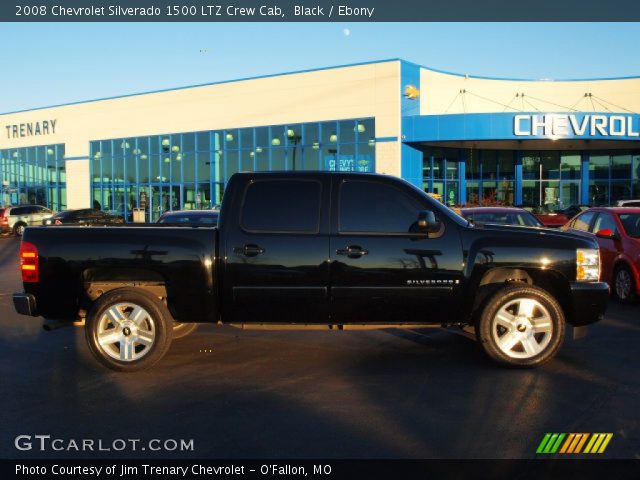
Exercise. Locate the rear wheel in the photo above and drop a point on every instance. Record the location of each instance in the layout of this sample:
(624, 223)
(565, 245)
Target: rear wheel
(521, 326)
(181, 330)
(18, 228)
(128, 329)
(624, 288)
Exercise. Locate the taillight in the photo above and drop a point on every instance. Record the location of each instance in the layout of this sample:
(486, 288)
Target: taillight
(57, 222)
(29, 262)
(3, 219)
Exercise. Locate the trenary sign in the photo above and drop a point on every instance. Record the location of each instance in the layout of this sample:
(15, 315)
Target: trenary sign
(571, 125)
(30, 129)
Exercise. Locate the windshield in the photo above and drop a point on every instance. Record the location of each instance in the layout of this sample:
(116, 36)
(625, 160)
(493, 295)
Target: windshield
(631, 224)
(505, 218)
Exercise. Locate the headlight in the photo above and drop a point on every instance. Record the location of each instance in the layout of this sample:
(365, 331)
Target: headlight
(588, 264)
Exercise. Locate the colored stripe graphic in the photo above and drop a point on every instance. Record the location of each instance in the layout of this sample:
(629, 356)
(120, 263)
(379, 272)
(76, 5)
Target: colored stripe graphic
(574, 442)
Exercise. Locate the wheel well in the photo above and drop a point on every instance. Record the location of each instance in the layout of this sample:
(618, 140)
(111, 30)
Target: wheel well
(495, 279)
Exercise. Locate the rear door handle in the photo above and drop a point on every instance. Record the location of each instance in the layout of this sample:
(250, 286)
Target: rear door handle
(249, 250)
(353, 251)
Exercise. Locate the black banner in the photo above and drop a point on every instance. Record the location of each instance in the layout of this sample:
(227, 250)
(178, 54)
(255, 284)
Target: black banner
(318, 11)
(533, 469)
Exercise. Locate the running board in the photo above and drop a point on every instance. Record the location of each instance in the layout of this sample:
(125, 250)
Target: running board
(293, 326)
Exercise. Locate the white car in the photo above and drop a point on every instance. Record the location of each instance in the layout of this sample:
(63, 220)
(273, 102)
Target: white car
(16, 219)
(628, 203)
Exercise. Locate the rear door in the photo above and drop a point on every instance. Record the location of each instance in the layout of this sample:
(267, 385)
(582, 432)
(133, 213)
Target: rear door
(382, 269)
(277, 251)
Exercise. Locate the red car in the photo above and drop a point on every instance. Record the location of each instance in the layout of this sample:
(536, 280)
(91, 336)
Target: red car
(501, 216)
(549, 218)
(617, 230)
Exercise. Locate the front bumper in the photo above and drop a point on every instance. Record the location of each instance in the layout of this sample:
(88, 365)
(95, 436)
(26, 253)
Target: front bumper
(588, 302)
(25, 304)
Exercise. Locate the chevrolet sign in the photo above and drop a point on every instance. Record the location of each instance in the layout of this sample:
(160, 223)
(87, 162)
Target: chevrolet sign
(570, 125)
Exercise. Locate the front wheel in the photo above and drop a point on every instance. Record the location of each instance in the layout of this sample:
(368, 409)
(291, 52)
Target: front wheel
(623, 285)
(521, 326)
(128, 329)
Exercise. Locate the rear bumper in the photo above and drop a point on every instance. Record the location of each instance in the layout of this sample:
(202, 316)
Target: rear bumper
(25, 304)
(588, 302)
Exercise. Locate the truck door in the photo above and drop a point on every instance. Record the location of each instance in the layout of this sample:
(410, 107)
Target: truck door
(277, 251)
(383, 269)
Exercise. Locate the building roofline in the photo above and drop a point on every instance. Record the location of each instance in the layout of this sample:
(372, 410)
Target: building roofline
(206, 84)
(370, 62)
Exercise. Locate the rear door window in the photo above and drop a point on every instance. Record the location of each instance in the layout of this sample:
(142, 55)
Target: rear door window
(282, 206)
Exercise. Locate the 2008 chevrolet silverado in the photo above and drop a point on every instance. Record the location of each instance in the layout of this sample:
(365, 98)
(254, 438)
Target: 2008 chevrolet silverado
(327, 250)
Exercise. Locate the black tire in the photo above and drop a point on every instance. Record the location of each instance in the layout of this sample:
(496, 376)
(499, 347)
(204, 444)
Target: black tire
(624, 286)
(18, 228)
(118, 349)
(514, 338)
(181, 330)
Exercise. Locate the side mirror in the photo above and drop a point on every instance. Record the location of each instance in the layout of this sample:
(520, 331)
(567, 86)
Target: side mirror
(606, 233)
(427, 222)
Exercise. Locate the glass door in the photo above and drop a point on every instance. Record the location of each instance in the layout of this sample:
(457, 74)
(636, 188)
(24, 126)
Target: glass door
(569, 193)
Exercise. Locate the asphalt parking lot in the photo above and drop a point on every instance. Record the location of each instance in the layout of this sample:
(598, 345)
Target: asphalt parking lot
(373, 394)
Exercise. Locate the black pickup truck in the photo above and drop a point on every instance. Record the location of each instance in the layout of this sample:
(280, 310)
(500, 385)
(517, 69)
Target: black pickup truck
(314, 250)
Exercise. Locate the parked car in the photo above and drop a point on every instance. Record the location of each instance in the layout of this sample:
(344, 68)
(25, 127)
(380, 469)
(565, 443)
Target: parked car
(190, 217)
(313, 250)
(617, 231)
(572, 210)
(548, 217)
(16, 219)
(628, 203)
(501, 216)
(84, 216)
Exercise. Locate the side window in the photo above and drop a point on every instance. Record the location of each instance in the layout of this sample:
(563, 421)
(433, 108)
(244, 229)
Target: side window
(583, 221)
(374, 207)
(18, 211)
(282, 206)
(604, 222)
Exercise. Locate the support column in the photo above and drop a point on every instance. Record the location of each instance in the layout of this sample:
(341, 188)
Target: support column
(518, 183)
(462, 180)
(584, 178)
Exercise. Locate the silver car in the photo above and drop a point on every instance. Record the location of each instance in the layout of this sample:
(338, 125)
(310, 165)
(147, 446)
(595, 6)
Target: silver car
(16, 219)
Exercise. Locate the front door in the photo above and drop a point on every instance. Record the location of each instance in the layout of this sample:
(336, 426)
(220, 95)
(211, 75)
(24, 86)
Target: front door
(382, 269)
(276, 251)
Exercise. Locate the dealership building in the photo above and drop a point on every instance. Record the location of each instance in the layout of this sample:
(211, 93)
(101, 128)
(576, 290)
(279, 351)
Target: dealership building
(469, 139)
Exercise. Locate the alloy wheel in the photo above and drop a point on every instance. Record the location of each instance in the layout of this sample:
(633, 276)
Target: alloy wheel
(522, 328)
(126, 332)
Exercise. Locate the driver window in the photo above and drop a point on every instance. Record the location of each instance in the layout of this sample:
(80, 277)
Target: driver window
(375, 207)
(605, 222)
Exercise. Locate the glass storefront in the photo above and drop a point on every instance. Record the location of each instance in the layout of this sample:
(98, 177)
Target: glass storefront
(190, 170)
(556, 179)
(34, 175)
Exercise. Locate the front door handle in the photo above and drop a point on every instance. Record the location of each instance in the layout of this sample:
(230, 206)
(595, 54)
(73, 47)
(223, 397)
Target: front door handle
(249, 250)
(353, 251)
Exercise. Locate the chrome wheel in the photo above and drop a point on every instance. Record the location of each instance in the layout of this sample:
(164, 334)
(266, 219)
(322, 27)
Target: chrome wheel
(522, 328)
(623, 284)
(126, 332)
(20, 230)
